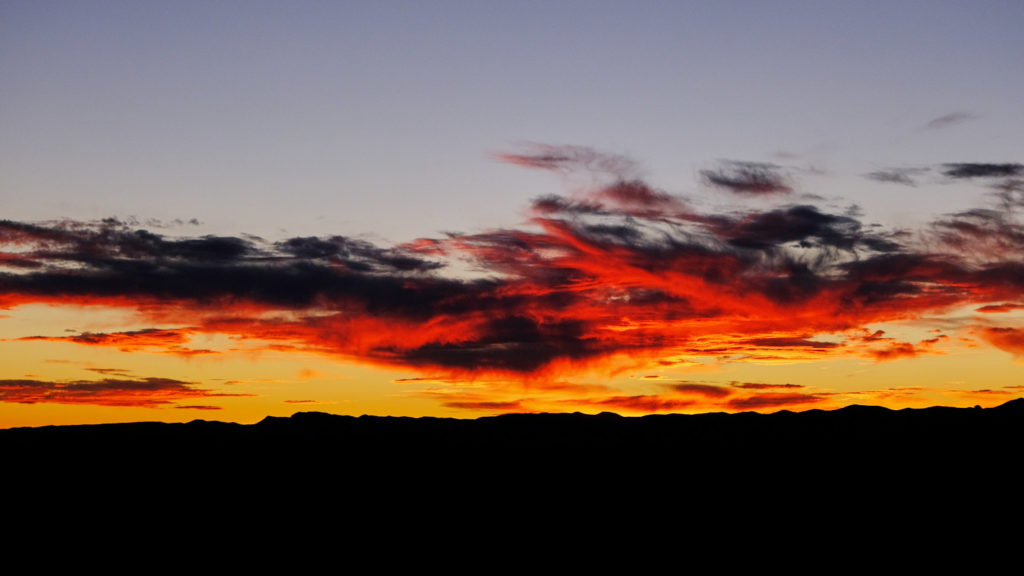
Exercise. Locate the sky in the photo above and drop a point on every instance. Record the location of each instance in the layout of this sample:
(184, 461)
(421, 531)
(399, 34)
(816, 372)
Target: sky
(228, 210)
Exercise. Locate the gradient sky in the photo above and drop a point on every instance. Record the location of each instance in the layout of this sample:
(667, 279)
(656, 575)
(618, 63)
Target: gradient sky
(234, 209)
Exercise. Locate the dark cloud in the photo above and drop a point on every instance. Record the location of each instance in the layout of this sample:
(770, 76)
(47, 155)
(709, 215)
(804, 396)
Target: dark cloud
(803, 225)
(789, 343)
(753, 178)
(144, 392)
(114, 371)
(905, 176)
(512, 406)
(148, 336)
(103, 260)
(164, 341)
(620, 198)
(357, 255)
(762, 386)
(774, 400)
(106, 241)
(948, 120)
(507, 343)
(987, 234)
(706, 390)
(981, 170)
(909, 176)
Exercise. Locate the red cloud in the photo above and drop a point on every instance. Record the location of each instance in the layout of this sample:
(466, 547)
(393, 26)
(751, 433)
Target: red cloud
(1008, 339)
(1004, 307)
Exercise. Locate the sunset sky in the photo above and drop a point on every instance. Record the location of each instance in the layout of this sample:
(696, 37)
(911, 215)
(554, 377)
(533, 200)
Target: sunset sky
(228, 210)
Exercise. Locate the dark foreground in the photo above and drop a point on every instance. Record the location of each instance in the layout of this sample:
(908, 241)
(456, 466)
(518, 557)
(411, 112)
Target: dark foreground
(861, 475)
(850, 445)
(535, 477)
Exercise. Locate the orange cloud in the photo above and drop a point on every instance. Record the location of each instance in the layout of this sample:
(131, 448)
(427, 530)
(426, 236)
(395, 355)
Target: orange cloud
(893, 351)
(1008, 339)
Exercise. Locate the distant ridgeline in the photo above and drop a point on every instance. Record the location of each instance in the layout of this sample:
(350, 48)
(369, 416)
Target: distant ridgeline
(856, 441)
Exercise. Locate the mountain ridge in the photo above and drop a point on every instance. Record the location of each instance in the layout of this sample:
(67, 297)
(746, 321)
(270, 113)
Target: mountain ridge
(1015, 405)
(864, 451)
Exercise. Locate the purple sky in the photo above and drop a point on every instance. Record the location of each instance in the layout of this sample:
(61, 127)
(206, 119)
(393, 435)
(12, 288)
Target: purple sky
(382, 118)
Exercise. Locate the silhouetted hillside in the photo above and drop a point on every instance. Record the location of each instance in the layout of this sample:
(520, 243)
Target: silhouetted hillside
(858, 440)
(555, 473)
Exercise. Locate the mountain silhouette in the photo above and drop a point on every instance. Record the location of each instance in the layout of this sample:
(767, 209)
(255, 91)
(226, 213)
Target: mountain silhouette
(512, 461)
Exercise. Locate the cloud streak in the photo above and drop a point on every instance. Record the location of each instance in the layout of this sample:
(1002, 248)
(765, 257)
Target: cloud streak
(150, 339)
(776, 400)
(571, 159)
(137, 392)
(947, 120)
(905, 176)
(749, 178)
(981, 170)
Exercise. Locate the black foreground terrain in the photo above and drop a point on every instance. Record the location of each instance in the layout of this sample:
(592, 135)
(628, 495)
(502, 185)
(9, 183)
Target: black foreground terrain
(853, 445)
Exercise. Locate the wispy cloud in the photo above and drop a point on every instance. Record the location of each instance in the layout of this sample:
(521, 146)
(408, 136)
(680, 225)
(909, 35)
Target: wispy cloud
(706, 390)
(764, 386)
(1004, 307)
(152, 339)
(139, 392)
(751, 178)
(906, 176)
(963, 170)
(486, 405)
(775, 400)
(947, 120)
(568, 159)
